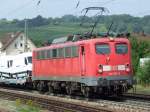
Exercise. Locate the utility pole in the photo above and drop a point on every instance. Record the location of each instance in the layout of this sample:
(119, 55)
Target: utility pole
(26, 36)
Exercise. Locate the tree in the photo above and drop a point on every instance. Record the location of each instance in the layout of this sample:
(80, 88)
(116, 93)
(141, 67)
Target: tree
(69, 18)
(143, 74)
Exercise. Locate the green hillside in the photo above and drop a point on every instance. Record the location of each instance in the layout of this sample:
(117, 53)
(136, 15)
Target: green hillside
(49, 32)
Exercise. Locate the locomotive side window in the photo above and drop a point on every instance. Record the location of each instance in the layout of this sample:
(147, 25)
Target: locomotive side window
(121, 48)
(49, 53)
(54, 53)
(74, 51)
(61, 52)
(43, 54)
(68, 52)
(38, 55)
(102, 49)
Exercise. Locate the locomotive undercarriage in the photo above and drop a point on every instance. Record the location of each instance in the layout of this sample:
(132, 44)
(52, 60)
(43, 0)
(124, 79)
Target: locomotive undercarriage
(70, 88)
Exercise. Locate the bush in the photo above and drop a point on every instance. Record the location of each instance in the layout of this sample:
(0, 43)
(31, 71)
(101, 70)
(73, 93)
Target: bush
(143, 74)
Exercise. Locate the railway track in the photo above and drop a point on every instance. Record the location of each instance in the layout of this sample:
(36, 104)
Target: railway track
(62, 104)
(137, 96)
(52, 103)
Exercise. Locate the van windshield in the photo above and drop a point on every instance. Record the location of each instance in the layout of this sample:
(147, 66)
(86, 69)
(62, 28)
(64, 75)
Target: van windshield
(121, 48)
(102, 49)
(29, 59)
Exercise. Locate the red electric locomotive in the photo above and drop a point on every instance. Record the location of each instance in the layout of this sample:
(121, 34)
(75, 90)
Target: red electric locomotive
(96, 65)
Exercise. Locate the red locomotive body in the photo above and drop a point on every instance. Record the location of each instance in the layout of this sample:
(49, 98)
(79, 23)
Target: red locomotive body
(94, 65)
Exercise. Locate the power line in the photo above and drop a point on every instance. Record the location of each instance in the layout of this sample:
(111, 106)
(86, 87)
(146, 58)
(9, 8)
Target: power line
(103, 3)
(109, 1)
(78, 4)
(18, 9)
(39, 2)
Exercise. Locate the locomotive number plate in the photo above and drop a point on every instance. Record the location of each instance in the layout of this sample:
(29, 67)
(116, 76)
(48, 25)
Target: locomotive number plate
(121, 67)
(114, 68)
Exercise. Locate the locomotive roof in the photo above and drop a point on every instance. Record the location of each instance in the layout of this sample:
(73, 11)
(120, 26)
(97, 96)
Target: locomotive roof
(71, 43)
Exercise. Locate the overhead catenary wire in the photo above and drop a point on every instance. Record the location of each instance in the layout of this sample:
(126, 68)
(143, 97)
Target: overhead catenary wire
(39, 2)
(21, 7)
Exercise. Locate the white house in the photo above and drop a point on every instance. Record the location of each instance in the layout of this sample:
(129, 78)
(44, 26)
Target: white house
(15, 43)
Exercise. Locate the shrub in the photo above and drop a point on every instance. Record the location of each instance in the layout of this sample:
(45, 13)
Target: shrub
(143, 74)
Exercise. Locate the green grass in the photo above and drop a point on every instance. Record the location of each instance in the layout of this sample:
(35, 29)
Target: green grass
(142, 89)
(29, 106)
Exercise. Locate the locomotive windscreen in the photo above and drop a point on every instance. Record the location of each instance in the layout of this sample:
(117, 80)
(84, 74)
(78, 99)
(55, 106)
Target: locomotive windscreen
(102, 49)
(121, 48)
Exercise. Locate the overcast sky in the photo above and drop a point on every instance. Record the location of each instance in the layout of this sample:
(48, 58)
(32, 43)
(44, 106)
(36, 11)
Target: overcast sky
(21, 9)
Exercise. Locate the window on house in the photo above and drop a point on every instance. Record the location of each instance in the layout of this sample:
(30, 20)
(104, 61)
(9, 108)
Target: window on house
(15, 45)
(21, 44)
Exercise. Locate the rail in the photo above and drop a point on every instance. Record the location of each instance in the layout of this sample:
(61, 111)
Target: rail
(63, 103)
(53, 103)
(137, 96)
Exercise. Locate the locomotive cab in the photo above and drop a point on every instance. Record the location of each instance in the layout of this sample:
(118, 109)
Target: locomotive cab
(113, 64)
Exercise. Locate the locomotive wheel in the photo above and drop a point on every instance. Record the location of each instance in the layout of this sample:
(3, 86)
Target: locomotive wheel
(51, 89)
(40, 86)
(86, 92)
(34, 85)
(69, 90)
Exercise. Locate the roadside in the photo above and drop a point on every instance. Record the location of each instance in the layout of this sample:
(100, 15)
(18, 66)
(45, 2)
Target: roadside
(18, 106)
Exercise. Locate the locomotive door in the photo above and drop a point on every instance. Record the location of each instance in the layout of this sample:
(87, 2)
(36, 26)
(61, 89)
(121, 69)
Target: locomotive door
(82, 60)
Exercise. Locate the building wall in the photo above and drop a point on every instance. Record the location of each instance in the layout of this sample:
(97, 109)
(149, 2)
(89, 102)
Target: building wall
(1, 45)
(18, 45)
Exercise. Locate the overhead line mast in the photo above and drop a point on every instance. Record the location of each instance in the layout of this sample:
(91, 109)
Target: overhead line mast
(26, 31)
(26, 36)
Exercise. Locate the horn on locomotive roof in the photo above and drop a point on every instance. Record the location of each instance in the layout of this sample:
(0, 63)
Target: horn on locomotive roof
(101, 10)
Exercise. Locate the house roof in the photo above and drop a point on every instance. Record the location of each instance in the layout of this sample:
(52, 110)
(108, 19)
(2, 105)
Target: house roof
(8, 38)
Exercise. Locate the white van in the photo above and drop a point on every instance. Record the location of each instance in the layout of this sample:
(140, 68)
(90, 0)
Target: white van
(15, 69)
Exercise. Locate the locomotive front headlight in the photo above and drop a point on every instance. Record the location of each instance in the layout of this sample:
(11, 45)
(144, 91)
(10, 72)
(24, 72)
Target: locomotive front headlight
(100, 70)
(111, 39)
(127, 68)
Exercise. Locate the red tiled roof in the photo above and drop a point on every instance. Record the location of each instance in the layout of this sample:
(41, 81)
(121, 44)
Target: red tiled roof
(7, 39)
